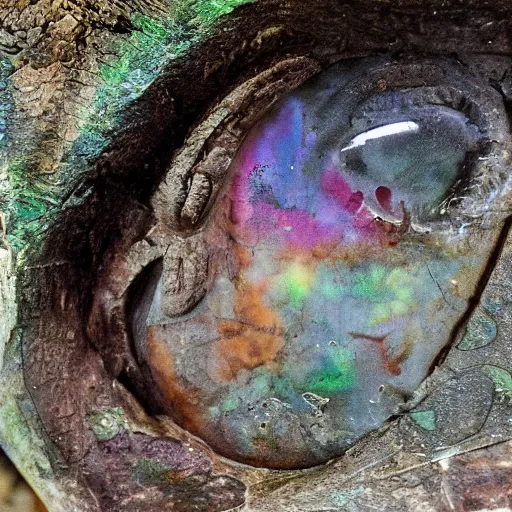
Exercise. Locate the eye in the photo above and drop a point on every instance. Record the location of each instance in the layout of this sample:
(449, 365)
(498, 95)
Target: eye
(338, 233)
(420, 156)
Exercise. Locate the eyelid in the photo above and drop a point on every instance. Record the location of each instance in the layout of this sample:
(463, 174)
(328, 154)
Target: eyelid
(208, 151)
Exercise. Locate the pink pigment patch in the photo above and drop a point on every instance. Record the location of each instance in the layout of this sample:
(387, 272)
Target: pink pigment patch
(335, 186)
(355, 201)
(384, 198)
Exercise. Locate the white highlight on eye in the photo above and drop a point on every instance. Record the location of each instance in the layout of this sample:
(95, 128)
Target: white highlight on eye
(382, 131)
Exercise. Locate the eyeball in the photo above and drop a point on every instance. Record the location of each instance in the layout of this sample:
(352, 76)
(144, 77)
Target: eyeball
(331, 259)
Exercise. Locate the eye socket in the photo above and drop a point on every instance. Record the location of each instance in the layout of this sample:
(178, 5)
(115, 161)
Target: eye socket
(328, 257)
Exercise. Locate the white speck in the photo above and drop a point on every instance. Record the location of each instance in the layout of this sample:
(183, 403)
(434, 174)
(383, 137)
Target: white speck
(288, 228)
(191, 449)
(382, 131)
(445, 464)
(317, 345)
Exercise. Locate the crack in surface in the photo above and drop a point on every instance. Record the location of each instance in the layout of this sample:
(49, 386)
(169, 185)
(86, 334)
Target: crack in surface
(474, 301)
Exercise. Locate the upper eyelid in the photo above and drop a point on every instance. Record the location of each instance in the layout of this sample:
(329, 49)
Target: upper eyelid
(297, 31)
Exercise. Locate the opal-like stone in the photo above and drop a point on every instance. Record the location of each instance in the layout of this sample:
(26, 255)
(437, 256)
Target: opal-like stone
(334, 279)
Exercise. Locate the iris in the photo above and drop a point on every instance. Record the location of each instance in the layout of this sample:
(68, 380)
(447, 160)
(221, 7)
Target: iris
(420, 158)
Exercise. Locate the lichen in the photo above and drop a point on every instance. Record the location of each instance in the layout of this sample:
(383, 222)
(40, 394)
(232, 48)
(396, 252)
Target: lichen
(480, 331)
(425, 419)
(22, 441)
(107, 423)
(151, 472)
(501, 378)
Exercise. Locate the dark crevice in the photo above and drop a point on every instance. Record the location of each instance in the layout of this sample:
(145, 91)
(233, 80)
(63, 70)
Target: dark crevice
(474, 301)
(140, 298)
(138, 305)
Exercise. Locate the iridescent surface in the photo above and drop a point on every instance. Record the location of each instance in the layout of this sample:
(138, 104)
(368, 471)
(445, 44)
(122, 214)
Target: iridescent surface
(333, 285)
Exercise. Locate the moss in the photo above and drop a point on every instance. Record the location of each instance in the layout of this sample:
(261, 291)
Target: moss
(133, 61)
(136, 60)
(26, 196)
(208, 11)
(150, 472)
(28, 204)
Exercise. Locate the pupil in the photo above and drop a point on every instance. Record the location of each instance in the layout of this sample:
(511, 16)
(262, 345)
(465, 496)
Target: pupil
(420, 158)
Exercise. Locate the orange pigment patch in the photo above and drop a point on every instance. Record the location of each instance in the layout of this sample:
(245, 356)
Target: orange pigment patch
(247, 351)
(243, 256)
(254, 338)
(183, 401)
(249, 308)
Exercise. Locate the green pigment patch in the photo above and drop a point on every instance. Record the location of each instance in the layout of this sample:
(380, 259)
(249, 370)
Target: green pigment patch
(480, 331)
(338, 373)
(298, 281)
